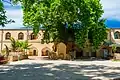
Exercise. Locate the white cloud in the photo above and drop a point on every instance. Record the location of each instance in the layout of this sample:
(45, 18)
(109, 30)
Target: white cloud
(110, 4)
(16, 15)
(111, 9)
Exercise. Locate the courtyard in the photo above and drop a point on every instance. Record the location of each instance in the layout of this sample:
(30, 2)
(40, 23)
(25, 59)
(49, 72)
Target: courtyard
(60, 70)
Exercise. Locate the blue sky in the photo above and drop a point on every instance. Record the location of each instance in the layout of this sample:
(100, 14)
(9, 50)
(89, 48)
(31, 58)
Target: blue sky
(111, 13)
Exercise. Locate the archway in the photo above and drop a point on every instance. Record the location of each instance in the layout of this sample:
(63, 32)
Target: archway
(33, 51)
(45, 51)
(20, 36)
(7, 35)
(117, 35)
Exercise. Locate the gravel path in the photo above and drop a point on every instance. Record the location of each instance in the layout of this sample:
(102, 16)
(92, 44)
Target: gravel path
(59, 70)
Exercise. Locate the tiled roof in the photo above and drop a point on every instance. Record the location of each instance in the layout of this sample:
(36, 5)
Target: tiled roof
(19, 28)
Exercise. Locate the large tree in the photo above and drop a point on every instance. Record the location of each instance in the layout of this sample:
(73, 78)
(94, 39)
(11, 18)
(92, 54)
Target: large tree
(57, 17)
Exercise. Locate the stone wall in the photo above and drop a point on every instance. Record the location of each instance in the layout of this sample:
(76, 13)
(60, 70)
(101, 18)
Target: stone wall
(117, 56)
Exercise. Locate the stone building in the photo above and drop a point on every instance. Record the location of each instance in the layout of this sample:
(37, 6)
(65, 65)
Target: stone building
(23, 34)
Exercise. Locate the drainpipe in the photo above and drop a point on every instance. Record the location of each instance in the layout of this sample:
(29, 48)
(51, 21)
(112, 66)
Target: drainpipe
(27, 40)
(27, 34)
(110, 36)
(110, 52)
(1, 40)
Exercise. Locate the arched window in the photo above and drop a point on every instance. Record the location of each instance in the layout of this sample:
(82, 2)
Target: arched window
(117, 35)
(33, 36)
(20, 36)
(8, 35)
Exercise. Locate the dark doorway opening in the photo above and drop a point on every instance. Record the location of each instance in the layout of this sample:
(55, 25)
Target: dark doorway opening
(93, 54)
(118, 50)
(34, 52)
(79, 54)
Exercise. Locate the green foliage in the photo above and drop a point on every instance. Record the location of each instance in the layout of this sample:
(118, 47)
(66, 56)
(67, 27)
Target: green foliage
(58, 16)
(17, 45)
(3, 52)
(2, 14)
(25, 45)
(114, 48)
(98, 34)
(14, 44)
(3, 17)
(6, 50)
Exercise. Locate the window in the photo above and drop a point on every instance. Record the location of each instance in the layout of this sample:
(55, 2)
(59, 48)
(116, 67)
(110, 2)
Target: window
(118, 50)
(117, 35)
(8, 35)
(20, 36)
(33, 36)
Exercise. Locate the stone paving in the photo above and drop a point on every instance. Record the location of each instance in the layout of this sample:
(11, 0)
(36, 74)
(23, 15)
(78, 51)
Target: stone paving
(60, 70)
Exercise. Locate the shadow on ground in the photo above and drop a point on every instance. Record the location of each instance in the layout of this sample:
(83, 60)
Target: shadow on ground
(51, 71)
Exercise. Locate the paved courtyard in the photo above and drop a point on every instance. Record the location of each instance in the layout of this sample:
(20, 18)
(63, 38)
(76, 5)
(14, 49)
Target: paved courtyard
(59, 70)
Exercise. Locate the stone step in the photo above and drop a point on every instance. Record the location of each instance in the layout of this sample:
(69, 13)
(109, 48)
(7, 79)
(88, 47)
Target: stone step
(38, 57)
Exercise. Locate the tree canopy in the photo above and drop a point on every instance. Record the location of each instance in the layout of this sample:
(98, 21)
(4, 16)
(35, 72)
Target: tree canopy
(60, 17)
(3, 18)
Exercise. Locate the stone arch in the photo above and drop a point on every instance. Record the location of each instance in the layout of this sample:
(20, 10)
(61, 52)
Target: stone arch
(8, 35)
(117, 35)
(33, 36)
(45, 50)
(20, 36)
(61, 49)
(33, 51)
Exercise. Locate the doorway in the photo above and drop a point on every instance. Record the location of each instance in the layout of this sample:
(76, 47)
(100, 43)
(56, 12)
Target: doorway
(93, 54)
(79, 54)
(45, 51)
(105, 53)
(34, 53)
